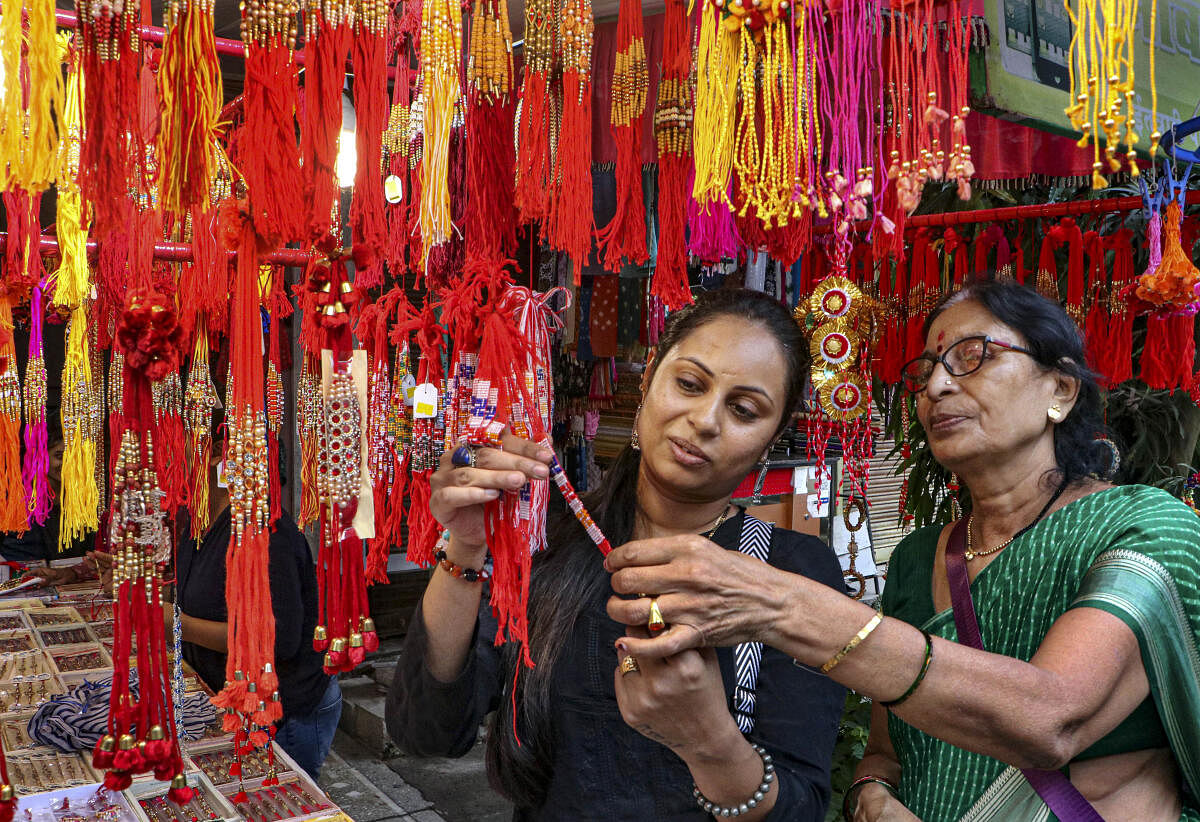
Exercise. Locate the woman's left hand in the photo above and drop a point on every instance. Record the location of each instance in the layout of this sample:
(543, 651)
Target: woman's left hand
(677, 701)
(708, 596)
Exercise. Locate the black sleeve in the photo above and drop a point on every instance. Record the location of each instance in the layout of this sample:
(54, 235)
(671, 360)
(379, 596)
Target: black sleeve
(426, 717)
(797, 709)
(288, 549)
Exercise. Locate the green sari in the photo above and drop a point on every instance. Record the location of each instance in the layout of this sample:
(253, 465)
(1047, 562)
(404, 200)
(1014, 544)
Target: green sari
(1132, 551)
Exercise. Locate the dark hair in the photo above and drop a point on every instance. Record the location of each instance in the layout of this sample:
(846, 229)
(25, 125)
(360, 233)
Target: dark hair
(1056, 343)
(569, 578)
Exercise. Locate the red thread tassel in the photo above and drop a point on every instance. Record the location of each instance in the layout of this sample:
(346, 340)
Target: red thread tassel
(367, 219)
(532, 192)
(268, 156)
(1169, 352)
(625, 235)
(491, 160)
(1120, 336)
(325, 53)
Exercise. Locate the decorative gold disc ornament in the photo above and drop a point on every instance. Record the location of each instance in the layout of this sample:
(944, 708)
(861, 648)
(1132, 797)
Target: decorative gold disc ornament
(836, 298)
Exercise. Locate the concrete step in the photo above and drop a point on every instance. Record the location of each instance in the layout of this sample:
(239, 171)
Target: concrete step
(362, 714)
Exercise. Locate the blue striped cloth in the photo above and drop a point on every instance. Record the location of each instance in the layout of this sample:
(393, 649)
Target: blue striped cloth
(76, 720)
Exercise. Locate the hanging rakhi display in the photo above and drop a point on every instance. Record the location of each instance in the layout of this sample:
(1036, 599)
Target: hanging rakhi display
(1167, 293)
(367, 220)
(534, 170)
(571, 223)
(396, 186)
(842, 320)
(110, 45)
(199, 400)
(850, 107)
(765, 161)
(1116, 354)
(441, 47)
(189, 85)
(1067, 233)
(491, 221)
(13, 512)
(1101, 68)
(72, 281)
(673, 133)
(326, 47)
(141, 728)
(82, 421)
(22, 259)
(344, 627)
(250, 696)
(31, 100)
(381, 437)
(266, 151)
(35, 465)
(711, 231)
(426, 447)
(624, 238)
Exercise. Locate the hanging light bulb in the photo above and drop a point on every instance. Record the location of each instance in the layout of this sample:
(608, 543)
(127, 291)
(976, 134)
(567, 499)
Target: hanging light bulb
(347, 156)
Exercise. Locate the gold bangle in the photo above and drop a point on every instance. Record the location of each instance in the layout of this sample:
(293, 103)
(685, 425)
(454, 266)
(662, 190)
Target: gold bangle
(852, 644)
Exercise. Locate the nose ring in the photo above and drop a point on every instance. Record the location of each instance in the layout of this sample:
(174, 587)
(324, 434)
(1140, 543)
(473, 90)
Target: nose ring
(949, 382)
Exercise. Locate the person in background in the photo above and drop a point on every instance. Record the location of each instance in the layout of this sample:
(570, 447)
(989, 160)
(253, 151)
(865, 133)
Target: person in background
(592, 734)
(1080, 679)
(312, 699)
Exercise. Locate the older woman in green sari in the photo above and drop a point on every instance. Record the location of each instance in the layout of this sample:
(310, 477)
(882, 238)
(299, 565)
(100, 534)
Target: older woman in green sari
(1086, 598)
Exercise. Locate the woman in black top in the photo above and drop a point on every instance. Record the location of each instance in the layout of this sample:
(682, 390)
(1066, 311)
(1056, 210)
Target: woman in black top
(591, 740)
(311, 698)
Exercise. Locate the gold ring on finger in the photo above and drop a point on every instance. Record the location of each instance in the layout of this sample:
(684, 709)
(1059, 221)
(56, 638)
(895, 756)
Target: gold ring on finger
(628, 665)
(656, 622)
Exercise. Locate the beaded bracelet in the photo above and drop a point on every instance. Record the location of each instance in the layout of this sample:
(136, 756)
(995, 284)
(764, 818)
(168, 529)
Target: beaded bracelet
(759, 794)
(855, 786)
(865, 632)
(457, 571)
(920, 676)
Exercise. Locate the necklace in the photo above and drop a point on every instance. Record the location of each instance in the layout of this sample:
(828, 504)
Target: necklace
(720, 521)
(971, 553)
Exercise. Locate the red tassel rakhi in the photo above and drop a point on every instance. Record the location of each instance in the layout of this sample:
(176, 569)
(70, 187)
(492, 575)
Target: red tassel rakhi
(571, 222)
(367, 219)
(490, 215)
(625, 235)
(673, 132)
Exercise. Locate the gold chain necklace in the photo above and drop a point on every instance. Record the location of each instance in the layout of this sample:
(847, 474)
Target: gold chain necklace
(720, 521)
(971, 553)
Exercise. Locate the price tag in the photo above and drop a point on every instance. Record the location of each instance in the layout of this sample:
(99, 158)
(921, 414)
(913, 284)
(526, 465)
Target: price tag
(425, 401)
(393, 189)
(409, 386)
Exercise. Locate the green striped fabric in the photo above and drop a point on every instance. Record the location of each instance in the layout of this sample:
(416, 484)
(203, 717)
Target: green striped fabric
(1017, 598)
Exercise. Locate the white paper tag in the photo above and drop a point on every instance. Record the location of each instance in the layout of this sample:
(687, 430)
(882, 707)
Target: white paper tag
(393, 189)
(222, 482)
(425, 401)
(409, 386)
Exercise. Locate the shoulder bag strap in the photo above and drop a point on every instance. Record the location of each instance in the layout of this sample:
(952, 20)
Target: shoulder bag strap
(747, 656)
(1055, 789)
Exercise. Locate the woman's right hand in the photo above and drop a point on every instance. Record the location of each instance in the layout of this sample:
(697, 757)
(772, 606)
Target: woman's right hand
(876, 804)
(459, 493)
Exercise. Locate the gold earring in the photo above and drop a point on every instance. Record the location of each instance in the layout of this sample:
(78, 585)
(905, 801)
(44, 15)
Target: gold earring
(1054, 413)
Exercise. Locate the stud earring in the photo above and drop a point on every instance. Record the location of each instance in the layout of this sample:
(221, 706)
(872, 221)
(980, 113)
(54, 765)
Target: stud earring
(1054, 413)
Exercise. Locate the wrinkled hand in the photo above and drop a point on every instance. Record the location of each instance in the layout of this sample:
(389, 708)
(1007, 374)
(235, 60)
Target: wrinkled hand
(103, 563)
(53, 576)
(708, 596)
(678, 701)
(459, 494)
(876, 804)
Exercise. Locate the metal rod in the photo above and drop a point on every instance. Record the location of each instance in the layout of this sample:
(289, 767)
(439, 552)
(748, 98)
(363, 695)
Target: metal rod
(156, 34)
(175, 252)
(1030, 212)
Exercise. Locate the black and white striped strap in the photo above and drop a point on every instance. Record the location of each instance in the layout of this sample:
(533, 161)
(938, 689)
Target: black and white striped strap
(755, 542)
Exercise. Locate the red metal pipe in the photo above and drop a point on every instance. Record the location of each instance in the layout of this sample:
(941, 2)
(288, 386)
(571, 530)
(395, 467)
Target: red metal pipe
(156, 34)
(1029, 212)
(176, 252)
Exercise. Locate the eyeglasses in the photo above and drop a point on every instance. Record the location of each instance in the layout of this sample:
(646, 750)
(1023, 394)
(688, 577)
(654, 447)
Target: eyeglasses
(962, 358)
